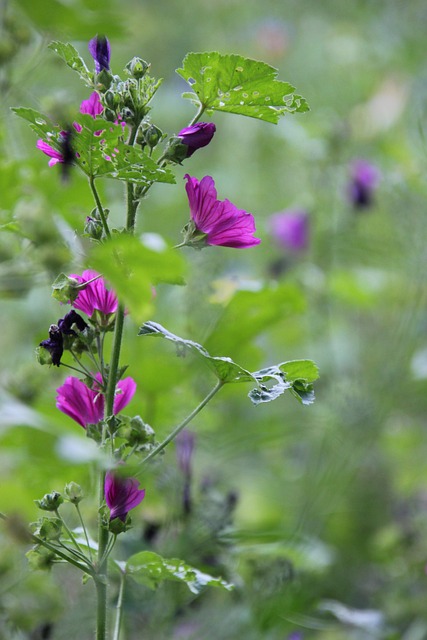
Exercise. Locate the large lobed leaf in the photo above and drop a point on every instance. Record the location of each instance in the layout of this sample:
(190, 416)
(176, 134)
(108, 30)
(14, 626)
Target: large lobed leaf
(151, 570)
(239, 85)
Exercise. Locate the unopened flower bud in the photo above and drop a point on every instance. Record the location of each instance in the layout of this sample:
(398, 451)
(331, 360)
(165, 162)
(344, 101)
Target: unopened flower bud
(137, 67)
(110, 99)
(110, 115)
(50, 501)
(73, 492)
(197, 136)
(127, 114)
(93, 228)
(153, 135)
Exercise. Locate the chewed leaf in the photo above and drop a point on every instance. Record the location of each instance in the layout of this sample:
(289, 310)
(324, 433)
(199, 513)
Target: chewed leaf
(224, 368)
(151, 570)
(296, 376)
(239, 85)
(71, 57)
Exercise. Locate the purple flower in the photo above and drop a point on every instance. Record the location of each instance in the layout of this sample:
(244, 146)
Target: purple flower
(99, 49)
(95, 296)
(217, 222)
(290, 229)
(121, 495)
(85, 405)
(56, 156)
(197, 136)
(364, 178)
(184, 443)
(92, 105)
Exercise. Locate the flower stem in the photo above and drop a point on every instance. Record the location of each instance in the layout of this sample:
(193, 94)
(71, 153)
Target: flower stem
(84, 530)
(184, 423)
(198, 115)
(101, 580)
(99, 206)
(119, 607)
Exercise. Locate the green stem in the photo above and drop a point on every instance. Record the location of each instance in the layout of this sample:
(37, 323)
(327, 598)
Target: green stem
(119, 607)
(84, 530)
(101, 578)
(198, 115)
(184, 423)
(70, 535)
(99, 206)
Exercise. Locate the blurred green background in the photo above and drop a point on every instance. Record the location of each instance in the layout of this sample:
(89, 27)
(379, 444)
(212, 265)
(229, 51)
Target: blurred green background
(317, 514)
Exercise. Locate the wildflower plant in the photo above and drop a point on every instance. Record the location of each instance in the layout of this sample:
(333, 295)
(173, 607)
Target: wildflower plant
(115, 137)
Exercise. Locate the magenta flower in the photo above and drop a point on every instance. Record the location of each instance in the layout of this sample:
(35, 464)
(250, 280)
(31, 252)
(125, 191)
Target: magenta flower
(121, 495)
(54, 155)
(99, 49)
(85, 405)
(92, 105)
(95, 296)
(216, 222)
(290, 229)
(364, 178)
(197, 136)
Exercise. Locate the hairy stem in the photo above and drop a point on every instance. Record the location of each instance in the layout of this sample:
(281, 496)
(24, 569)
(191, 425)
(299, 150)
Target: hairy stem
(99, 206)
(119, 607)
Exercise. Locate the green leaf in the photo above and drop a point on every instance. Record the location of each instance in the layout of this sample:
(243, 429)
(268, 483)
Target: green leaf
(71, 57)
(239, 85)
(296, 376)
(151, 570)
(38, 122)
(133, 269)
(106, 154)
(224, 368)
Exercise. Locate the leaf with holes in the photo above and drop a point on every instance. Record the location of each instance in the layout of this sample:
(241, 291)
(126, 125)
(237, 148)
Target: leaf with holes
(150, 569)
(296, 376)
(239, 85)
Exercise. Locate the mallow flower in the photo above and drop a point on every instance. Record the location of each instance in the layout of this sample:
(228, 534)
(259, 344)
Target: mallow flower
(364, 178)
(85, 405)
(96, 296)
(121, 494)
(216, 222)
(99, 49)
(54, 155)
(290, 229)
(197, 136)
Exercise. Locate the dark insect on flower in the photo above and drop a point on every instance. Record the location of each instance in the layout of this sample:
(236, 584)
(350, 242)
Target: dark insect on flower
(54, 344)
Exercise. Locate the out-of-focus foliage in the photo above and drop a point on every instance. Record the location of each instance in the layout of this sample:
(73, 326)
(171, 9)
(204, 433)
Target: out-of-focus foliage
(317, 514)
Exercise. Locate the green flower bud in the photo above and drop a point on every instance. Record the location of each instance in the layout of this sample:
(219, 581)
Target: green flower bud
(152, 136)
(50, 501)
(110, 115)
(73, 492)
(110, 99)
(137, 67)
(93, 228)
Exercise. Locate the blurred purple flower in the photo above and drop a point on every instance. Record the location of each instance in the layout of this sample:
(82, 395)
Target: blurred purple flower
(197, 136)
(95, 296)
(56, 156)
(217, 222)
(121, 495)
(99, 49)
(184, 443)
(364, 178)
(290, 228)
(85, 405)
(295, 635)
